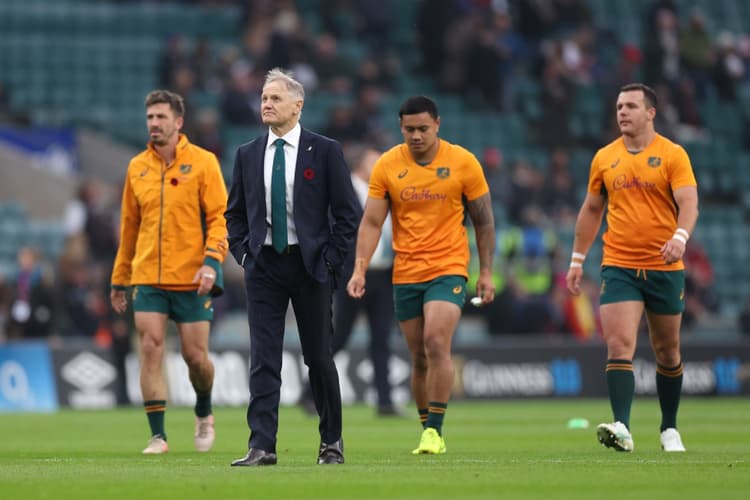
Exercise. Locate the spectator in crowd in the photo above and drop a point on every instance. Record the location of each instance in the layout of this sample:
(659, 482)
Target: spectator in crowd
(701, 299)
(558, 197)
(174, 54)
(334, 70)
(207, 132)
(661, 49)
(239, 101)
(729, 68)
(526, 189)
(529, 252)
(32, 307)
(697, 51)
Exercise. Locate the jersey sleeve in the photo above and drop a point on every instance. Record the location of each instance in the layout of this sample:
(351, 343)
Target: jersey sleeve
(596, 181)
(680, 170)
(378, 188)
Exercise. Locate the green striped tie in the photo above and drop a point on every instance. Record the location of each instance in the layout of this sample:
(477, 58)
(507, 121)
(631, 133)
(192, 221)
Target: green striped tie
(278, 198)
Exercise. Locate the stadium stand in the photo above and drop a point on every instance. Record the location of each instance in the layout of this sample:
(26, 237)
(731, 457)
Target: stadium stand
(88, 64)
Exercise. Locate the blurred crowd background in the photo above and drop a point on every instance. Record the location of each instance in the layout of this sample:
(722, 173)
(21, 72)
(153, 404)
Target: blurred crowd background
(527, 85)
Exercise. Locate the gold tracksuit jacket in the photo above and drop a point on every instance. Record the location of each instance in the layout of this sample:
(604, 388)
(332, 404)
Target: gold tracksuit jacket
(172, 219)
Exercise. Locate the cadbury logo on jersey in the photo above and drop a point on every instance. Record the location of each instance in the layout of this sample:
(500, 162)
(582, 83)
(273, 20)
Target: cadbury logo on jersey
(622, 182)
(654, 161)
(413, 194)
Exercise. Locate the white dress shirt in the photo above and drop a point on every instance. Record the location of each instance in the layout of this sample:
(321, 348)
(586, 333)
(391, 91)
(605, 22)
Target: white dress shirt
(291, 148)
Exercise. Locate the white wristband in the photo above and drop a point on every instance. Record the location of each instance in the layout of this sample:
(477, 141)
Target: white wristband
(683, 232)
(576, 264)
(679, 237)
(578, 256)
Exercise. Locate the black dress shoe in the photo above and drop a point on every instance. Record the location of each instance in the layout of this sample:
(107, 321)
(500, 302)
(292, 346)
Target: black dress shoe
(331, 453)
(255, 457)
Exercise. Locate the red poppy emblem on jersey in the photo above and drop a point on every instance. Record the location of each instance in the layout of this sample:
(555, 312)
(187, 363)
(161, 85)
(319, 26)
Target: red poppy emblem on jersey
(173, 181)
(309, 174)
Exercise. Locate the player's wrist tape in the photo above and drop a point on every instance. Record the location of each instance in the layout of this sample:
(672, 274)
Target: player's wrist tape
(576, 259)
(681, 235)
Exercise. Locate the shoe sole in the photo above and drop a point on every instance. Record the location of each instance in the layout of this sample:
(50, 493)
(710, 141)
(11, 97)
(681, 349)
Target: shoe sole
(154, 452)
(609, 439)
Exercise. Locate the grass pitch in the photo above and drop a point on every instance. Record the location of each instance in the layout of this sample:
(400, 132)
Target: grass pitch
(508, 449)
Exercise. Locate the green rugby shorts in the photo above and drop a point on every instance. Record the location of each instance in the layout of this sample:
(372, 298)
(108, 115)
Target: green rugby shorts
(181, 307)
(409, 298)
(662, 292)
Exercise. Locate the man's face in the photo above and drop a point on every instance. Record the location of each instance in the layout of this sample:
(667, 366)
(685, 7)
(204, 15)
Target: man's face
(420, 132)
(278, 107)
(632, 114)
(162, 124)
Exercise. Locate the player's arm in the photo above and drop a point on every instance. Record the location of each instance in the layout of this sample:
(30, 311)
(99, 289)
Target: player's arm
(213, 200)
(370, 227)
(130, 221)
(587, 227)
(483, 219)
(687, 208)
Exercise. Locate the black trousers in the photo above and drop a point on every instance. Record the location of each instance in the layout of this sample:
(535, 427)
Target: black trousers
(273, 282)
(377, 304)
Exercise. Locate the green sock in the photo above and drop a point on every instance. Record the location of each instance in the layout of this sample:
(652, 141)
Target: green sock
(423, 412)
(435, 416)
(668, 387)
(155, 412)
(621, 387)
(202, 404)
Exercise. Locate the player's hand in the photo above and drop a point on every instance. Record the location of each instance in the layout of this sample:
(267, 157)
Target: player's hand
(672, 251)
(119, 300)
(573, 280)
(356, 286)
(205, 277)
(485, 288)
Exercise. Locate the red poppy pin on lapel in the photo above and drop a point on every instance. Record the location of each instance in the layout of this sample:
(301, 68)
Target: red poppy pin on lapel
(309, 174)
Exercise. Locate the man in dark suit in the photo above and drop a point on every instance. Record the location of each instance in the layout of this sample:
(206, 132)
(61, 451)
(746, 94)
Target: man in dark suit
(292, 217)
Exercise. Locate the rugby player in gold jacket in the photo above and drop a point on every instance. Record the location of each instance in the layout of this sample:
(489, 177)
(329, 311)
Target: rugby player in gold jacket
(172, 243)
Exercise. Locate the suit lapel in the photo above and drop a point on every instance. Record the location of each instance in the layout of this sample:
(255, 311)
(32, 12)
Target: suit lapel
(304, 160)
(256, 171)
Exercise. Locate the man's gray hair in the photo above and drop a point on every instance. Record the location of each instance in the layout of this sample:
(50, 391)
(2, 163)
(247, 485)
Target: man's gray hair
(293, 86)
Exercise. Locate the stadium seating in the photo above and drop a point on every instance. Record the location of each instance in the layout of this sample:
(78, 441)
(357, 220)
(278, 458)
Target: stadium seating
(86, 62)
(17, 229)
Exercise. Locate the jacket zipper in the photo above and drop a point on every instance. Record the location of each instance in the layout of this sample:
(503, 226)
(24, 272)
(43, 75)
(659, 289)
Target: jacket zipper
(161, 217)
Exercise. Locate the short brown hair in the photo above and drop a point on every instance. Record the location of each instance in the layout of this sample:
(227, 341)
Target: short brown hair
(648, 93)
(175, 101)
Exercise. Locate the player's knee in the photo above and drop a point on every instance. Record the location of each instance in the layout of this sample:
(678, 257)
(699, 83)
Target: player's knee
(152, 346)
(195, 358)
(667, 355)
(436, 347)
